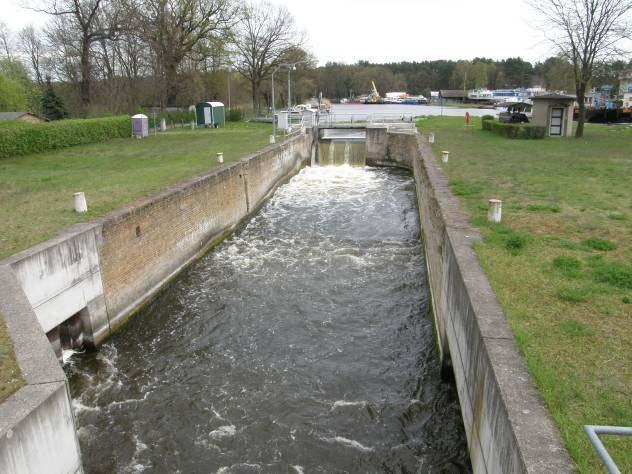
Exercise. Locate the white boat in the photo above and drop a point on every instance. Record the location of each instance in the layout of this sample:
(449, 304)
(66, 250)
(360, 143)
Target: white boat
(481, 95)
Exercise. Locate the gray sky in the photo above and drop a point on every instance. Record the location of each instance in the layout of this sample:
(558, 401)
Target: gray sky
(393, 30)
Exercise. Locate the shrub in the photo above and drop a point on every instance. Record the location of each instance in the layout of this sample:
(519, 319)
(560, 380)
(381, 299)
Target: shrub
(514, 130)
(235, 115)
(15, 141)
(485, 119)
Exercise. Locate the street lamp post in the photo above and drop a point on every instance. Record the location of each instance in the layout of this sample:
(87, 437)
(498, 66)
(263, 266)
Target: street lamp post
(230, 70)
(273, 137)
(289, 67)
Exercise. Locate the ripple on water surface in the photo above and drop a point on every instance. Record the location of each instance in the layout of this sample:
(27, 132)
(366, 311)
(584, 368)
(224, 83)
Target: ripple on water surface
(301, 344)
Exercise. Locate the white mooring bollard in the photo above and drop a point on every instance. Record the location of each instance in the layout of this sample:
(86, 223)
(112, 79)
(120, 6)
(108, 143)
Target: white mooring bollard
(445, 156)
(431, 138)
(80, 202)
(220, 157)
(163, 125)
(495, 211)
(272, 139)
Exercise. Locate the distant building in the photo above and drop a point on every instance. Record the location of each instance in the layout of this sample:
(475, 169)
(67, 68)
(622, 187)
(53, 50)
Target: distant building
(453, 95)
(625, 82)
(23, 116)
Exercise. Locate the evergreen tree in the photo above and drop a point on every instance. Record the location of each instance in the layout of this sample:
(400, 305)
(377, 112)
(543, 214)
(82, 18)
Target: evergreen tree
(52, 106)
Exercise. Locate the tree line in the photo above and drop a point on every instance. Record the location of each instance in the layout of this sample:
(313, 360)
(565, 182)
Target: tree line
(120, 56)
(109, 56)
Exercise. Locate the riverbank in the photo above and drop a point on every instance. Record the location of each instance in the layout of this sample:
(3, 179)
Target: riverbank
(36, 190)
(560, 264)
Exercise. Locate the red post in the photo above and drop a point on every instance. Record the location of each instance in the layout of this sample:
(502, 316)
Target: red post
(467, 119)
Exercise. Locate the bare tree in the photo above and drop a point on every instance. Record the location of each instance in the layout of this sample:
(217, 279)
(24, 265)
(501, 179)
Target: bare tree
(34, 49)
(86, 19)
(5, 39)
(263, 36)
(586, 32)
(174, 28)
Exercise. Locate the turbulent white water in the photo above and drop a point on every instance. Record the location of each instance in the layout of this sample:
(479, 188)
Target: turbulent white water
(301, 344)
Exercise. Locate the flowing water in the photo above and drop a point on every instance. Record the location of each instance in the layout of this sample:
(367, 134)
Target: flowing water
(301, 344)
(340, 152)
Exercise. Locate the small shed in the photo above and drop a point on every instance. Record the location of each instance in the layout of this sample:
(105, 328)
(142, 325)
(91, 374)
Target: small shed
(555, 112)
(210, 114)
(140, 126)
(22, 116)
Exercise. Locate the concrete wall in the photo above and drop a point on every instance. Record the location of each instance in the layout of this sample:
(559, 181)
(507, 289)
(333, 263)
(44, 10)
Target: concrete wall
(37, 430)
(61, 277)
(508, 429)
(146, 244)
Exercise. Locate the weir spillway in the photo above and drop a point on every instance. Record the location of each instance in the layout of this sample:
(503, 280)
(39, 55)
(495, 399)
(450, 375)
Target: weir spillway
(303, 343)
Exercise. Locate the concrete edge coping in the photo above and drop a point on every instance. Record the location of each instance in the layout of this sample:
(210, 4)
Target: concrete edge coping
(33, 352)
(23, 402)
(62, 235)
(533, 428)
(35, 357)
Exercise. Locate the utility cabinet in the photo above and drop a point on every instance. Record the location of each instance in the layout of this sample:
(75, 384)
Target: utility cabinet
(210, 114)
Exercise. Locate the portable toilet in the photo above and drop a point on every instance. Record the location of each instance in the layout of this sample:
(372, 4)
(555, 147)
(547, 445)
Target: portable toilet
(210, 114)
(140, 126)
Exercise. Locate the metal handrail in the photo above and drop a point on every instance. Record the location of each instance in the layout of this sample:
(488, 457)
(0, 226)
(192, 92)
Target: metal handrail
(594, 430)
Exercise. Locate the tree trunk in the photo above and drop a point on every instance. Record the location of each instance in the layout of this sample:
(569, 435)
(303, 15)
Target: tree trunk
(255, 97)
(84, 84)
(581, 118)
(171, 83)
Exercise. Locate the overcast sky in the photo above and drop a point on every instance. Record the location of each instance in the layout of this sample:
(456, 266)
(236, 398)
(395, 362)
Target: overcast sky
(394, 30)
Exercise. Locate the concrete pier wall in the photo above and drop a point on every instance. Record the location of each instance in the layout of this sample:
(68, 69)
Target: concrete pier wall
(507, 426)
(37, 430)
(61, 277)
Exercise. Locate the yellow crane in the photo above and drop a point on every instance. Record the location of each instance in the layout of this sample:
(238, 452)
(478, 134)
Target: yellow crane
(374, 95)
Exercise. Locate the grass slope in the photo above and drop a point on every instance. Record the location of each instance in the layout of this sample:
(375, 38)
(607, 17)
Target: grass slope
(560, 263)
(36, 190)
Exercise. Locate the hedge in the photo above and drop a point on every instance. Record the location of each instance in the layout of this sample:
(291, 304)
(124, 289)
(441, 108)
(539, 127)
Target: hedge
(35, 138)
(513, 130)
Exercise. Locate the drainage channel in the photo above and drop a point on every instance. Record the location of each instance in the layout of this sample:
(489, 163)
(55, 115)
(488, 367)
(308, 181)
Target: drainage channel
(301, 344)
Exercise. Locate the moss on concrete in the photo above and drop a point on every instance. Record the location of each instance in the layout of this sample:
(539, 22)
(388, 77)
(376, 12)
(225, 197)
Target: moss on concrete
(10, 377)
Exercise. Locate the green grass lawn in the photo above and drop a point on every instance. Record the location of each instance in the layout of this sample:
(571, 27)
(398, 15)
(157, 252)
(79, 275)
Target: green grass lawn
(36, 191)
(560, 263)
